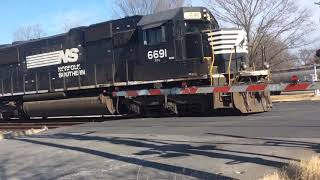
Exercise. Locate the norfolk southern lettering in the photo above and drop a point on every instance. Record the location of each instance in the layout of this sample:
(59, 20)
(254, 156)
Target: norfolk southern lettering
(71, 71)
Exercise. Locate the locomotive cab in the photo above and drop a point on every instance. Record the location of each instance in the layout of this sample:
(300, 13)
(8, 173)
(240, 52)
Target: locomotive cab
(180, 43)
(174, 43)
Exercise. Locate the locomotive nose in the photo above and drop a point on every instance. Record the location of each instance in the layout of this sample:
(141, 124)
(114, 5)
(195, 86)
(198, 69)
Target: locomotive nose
(230, 48)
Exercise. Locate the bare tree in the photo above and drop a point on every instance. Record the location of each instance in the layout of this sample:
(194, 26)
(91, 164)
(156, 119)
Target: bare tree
(24, 33)
(68, 24)
(309, 56)
(143, 7)
(306, 56)
(266, 22)
(267, 52)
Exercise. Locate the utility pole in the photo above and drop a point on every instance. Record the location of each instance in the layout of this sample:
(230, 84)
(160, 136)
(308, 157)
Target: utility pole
(315, 79)
(315, 76)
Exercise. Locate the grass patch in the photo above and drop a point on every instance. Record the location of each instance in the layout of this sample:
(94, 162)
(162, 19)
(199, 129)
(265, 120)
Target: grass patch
(304, 170)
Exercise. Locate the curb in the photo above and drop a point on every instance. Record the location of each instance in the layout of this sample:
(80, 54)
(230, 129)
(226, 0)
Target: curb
(22, 133)
(295, 98)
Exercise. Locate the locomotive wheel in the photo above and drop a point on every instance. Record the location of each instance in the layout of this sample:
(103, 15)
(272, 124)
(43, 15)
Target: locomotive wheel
(23, 116)
(7, 115)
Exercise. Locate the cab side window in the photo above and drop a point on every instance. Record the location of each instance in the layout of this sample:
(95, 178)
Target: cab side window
(154, 36)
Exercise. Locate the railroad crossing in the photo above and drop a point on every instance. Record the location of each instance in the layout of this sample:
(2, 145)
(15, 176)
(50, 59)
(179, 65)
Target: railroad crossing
(241, 147)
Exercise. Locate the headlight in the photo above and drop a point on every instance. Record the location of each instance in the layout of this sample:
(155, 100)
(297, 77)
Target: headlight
(243, 66)
(266, 65)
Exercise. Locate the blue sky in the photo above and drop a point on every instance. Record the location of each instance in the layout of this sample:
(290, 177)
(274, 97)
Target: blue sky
(52, 15)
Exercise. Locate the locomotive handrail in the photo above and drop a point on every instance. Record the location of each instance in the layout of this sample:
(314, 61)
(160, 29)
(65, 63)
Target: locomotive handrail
(229, 68)
(212, 62)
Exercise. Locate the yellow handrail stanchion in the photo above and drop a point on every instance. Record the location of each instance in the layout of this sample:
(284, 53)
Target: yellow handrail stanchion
(229, 68)
(211, 67)
(211, 71)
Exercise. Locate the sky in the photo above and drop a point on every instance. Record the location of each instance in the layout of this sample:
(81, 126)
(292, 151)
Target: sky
(53, 15)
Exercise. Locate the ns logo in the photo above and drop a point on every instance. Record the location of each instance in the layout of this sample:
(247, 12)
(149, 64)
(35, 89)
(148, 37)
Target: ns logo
(53, 58)
(70, 55)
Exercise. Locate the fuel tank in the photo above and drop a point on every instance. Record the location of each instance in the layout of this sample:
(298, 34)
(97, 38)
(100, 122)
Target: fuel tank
(98, 105)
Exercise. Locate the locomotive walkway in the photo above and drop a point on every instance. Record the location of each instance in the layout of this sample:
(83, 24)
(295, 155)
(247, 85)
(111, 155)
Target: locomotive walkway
(229, 147)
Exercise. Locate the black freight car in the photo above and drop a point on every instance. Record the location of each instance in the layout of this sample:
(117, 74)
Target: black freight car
(74, 73)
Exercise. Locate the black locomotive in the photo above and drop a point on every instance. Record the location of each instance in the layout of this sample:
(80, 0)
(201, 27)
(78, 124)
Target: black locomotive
(61, 74)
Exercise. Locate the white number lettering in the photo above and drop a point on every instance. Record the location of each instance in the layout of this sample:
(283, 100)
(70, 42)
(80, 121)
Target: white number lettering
(150, 55)
(155, 54)
(161, 53)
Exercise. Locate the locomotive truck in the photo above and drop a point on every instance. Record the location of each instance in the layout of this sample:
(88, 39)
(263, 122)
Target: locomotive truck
(173, 62)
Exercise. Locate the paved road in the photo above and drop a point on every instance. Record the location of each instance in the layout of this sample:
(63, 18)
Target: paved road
(293, 120)
(240, 147)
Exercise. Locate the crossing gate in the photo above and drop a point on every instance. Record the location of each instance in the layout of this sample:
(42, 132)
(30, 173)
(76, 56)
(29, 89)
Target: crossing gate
(286, 87)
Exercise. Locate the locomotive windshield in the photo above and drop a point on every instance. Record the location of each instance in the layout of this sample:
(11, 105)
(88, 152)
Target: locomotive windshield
(154, 36)
(197, 26)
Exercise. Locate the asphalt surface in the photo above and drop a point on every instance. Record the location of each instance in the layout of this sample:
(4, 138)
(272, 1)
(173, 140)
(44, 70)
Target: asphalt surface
(228, 147)
(293, 120)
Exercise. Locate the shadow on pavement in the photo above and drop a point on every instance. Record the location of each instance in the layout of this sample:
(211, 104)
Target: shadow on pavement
(276, 142)
(3, 171)
(183, 149)
(165, 150)
(140, 162)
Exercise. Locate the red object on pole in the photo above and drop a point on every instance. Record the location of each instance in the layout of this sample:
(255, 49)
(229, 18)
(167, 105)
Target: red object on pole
(294, 79)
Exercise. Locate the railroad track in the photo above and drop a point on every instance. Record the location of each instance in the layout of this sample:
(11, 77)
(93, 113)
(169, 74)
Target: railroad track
(25, 126)
(17, 125)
